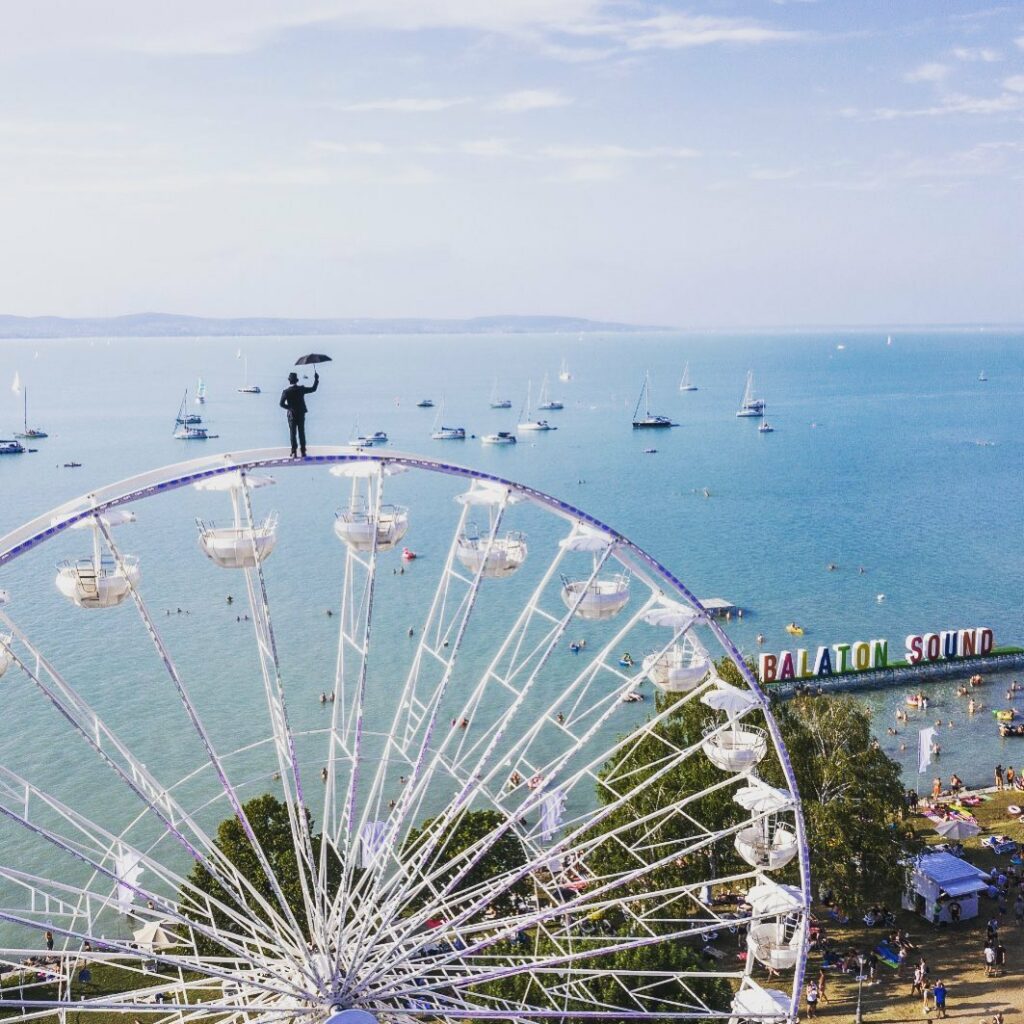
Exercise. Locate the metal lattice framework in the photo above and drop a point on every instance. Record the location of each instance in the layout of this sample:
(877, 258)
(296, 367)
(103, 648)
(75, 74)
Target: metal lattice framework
(593, 874)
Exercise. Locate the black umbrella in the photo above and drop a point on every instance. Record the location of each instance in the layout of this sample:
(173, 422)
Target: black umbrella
(313, 357)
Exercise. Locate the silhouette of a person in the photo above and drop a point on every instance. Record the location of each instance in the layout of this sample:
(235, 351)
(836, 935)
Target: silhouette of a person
(293, 398)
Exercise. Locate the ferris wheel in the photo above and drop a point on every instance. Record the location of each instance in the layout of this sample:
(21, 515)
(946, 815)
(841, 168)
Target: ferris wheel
(508, 783)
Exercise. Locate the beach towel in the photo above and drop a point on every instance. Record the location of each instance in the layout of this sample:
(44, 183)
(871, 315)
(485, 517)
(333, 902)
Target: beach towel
(887, 955)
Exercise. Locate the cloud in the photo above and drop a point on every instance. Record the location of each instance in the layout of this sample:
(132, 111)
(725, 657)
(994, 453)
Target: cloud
(1007, 102)
(530, 99)
(1015, 83)
(606, 153)
(774, 173)
(585, 172)
(352, 148)
(932, 72)
(977, 53)
(683, 31)
(406, 104)
(486, 147)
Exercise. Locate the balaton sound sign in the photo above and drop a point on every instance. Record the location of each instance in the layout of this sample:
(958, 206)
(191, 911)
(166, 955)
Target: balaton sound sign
(865, 655)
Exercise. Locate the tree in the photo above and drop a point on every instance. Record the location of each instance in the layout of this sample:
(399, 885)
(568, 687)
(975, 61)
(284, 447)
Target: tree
(270, 823)
(505, 855)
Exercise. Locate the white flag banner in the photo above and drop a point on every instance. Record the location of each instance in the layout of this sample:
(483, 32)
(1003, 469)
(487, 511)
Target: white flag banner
(128, 871)
(16, 383)
(924, 748)
(551, 808)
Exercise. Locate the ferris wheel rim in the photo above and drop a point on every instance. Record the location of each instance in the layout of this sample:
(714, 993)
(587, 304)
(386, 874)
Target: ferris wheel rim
(181, 475)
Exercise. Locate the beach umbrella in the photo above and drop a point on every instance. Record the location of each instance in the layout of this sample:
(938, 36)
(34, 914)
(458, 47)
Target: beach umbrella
(957, 829)
(155, 936)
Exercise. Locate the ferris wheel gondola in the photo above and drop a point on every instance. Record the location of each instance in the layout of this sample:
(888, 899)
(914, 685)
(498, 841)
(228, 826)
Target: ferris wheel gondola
(471, 835)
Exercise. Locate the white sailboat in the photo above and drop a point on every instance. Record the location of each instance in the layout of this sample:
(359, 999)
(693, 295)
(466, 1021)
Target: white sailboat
(563, 374)
(496, 402)
(649, 420)
(545, 401)
(685, 384)
(527, 422)
(981, 376)
(247, 388)
(35, 433)
(750, 405)
(439, 432)
(201, 392)
(187, 425)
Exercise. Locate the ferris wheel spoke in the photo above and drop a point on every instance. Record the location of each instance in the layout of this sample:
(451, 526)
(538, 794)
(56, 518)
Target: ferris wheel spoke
(254, 941)
(441, 637)
(156, 798)
(513, 641)
(195, 720)
(288, 762)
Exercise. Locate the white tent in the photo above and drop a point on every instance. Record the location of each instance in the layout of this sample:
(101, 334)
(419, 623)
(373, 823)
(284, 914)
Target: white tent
(940, 878)
(156, 936)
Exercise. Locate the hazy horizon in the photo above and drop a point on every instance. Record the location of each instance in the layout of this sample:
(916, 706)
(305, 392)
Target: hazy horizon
(734, 164)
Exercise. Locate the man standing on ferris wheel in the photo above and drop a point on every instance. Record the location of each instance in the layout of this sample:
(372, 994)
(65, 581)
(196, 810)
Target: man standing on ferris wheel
(293, 398)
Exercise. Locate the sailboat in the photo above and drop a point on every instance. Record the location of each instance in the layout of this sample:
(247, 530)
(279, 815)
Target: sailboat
(34, 434)
(439, 432)
(187, 425)
(981, 376)
(201, 392)
(684, 381)
(649, 420)
(526, 417)
(545, 401)
(247, 388)
(750, 406)
(496, 402)
(563, 374)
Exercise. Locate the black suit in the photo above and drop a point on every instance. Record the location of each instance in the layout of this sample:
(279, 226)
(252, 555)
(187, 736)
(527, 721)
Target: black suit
(293, 398)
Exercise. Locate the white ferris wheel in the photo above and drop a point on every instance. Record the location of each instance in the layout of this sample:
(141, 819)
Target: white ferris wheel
(483, 819)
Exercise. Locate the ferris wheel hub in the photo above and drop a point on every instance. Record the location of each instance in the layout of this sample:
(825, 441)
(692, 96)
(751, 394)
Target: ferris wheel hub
(338, 1015)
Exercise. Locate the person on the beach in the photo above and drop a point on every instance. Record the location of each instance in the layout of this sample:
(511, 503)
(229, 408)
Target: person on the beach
(1010, 776)
(999, 777)
(293, 399)
(939, 992)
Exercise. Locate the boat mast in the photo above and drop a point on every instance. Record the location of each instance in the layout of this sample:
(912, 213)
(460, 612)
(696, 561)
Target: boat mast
(25, 397)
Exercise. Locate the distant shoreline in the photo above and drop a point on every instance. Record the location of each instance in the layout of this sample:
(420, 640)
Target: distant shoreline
(169, 325)
(172, 325)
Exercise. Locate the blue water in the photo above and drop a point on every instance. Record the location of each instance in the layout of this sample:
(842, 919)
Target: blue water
(895, 458)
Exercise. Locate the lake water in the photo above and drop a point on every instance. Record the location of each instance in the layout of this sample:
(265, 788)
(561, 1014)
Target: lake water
(894, 458)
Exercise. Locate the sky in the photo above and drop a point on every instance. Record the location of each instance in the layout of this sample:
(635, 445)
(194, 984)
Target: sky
(712, 163)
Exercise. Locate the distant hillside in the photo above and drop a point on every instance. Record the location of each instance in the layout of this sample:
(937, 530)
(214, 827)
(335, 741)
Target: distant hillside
(164, 325)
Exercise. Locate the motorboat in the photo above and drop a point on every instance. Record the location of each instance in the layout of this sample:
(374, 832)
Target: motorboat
(685, 384)
(378, 437)
(563, 374)
(190, 419)
(12, 447)
(495, 401)
(527, 422)
(501, 437)
(649, 420)
(546, 402)
(750, 405)
(425, 403)
(33, 434)
(247, 388)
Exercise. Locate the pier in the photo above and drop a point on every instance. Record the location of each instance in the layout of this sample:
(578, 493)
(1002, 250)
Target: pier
(901, 675)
